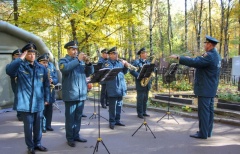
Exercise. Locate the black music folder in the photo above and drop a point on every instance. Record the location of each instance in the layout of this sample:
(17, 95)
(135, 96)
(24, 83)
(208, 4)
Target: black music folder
(111, 74)
(146, 71)
(170, 74)
(105, 74)
(97, 67)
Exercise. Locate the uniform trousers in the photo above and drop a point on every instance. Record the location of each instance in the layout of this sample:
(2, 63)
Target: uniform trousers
(73, 116)
(32, 128)
(103, 95)
(205, 116)
(115, 108)
(47, 118)
(142, 98)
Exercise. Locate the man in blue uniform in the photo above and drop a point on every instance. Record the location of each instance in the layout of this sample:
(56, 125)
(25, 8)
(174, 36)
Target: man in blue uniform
(142, 92)
(75, 68)
(33, 78)
(16, 54)
(53, 79)
(205, 84)
(116, 88)
(102, 60)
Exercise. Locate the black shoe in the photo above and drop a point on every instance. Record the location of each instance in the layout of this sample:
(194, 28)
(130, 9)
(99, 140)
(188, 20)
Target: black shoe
(208, 134)
(41, 148)
(44, 131)
(104, 107)
(83, 115)
(119, 124)
(80, 140)
(111, 126)
(140, 116)
(20, 119)
(146, 115)
(50, 129)
(197, 136)
(31, 151)
(71, 143)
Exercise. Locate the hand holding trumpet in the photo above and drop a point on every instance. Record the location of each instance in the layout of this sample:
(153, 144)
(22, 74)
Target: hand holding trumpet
(83, 57)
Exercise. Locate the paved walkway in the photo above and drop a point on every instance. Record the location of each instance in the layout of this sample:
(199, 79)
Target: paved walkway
(171, 138)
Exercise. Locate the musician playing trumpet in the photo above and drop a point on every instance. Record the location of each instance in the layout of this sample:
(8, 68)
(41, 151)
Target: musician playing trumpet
(75, 68)
(142, 91)
(53, 80)
(116, 88)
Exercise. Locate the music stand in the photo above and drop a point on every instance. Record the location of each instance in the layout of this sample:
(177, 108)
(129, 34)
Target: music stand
(95, 78)
(103, 75)
(145, 72)
(170, 77)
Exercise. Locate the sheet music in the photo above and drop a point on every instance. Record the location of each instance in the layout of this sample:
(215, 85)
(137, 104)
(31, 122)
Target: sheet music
(146, 71)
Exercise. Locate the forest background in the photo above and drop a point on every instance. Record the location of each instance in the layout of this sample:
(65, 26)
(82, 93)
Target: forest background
(164, 27)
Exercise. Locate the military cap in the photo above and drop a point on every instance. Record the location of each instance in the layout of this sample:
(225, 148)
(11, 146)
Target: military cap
(29, 46)
(211, 40)
(18, 51)
(43, 57)
(104, 51)
(141, 50)
(114, 49)
(71, 44)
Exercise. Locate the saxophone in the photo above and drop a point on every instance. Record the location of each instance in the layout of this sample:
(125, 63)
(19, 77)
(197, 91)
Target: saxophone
(144, 82)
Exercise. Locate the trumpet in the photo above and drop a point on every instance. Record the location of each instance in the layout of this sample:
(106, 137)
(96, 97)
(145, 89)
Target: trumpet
(85, 58)
(129, 66)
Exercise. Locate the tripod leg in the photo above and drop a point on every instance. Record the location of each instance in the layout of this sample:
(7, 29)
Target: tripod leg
(150, 130)
(162, 118)
(137, 129)
(105, 147)
(96, 147)
(103, 117)
(174, 118)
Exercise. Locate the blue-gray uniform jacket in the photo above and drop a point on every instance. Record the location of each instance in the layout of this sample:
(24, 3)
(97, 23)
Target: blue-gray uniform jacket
(74, 73)
(207, 72)
(13, 82)
(32, 85)
(116, 87)
(139, 63)
(54, 76)
(102, 60)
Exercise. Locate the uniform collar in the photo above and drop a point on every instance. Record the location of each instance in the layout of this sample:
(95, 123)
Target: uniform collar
(142, 60)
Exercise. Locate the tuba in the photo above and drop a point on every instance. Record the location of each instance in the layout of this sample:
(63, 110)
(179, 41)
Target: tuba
(144, 82)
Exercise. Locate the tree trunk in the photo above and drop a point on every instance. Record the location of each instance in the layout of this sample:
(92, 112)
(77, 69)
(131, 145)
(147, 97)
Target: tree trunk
(169, 29)
(186, 26)
(130, 33)
(199, 25)
(73, 26)
(221, 27)
(239, 38)
(226, 35)
(15, 9)
(150, 27)
(134, 43)
(210, 17)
